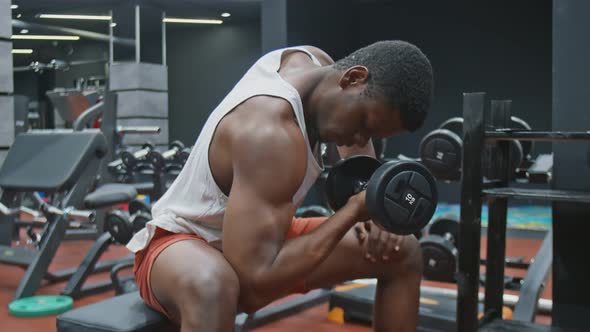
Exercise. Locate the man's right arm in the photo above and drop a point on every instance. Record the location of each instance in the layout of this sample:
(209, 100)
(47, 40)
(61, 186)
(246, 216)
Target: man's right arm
(269, 166)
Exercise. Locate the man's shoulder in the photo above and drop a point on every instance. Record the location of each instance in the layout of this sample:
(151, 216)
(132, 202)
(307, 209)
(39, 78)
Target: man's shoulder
(265, 118)
(324, 58)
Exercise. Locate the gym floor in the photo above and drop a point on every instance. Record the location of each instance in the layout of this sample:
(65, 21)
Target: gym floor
(71, 253)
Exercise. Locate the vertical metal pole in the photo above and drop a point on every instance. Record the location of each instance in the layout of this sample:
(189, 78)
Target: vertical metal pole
(470, 224)
(163, 39)
(137, 35)
(496, 247)
(111, 50)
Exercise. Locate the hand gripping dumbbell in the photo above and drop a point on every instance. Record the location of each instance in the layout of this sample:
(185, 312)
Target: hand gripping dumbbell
(158, 160)
(401, 195)
(439, 248)
(122, 225)
(441, 150)
(130, 160)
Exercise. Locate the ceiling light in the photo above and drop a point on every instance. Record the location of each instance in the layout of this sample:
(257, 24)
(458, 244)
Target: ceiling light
(191, 20)
(76, 17)
(113, 24)
(19, 15)
(22, 51)
(23, 31)
(13, 6)
(225, 15)
(45, 37)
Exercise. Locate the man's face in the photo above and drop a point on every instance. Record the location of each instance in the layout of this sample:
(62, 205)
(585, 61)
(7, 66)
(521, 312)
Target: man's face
(354, 118)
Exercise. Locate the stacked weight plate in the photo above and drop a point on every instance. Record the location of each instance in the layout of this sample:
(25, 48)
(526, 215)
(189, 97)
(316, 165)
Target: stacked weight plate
(6, 81)
(142, 99)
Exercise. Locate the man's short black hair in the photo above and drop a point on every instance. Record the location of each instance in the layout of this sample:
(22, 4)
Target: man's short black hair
(399, 72)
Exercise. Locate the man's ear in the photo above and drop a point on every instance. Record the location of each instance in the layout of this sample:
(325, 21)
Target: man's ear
(354, 76)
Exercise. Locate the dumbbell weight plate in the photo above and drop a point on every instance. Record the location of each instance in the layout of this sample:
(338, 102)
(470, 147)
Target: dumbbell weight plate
(128, 159)
(139, 220)
(520, 124)
(515, 153)
(118, 225)
(453, 124)
(183, 155)
(456, 126)
(439, 257)
(138, 205)
(155, 158)
(446, 223)
(344, 177)
(440, 151)
(148, 145)
(402, 196)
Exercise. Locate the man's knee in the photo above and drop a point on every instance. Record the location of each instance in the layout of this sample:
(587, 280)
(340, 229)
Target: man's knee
(210, 286)
(409, 262)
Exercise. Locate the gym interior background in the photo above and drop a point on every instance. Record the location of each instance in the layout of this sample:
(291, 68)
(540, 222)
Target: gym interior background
(530, 52)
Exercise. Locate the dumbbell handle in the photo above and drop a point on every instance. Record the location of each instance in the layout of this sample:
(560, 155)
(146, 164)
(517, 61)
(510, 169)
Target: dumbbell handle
(139, 154)
(68, 212)
(21, 209)
(121, 130)
(169, 154)
(71, 213)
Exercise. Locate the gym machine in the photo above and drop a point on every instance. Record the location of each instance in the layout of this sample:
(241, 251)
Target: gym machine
(32, 165)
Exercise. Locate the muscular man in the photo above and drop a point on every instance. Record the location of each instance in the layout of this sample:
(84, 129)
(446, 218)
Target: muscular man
(224, 237)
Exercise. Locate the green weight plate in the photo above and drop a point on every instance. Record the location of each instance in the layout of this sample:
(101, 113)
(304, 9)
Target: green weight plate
(37, 306)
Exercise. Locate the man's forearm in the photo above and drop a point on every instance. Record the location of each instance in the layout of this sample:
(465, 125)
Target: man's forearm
(299, 256)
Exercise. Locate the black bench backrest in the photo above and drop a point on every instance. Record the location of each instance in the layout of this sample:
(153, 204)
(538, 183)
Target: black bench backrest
(50, 161)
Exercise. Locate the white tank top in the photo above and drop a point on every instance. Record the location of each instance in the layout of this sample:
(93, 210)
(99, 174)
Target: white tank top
(194, 203)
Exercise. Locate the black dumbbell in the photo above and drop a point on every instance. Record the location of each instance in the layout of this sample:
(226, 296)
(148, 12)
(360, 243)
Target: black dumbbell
(527, 146)
(130, 160)
(119, 226)
(401, 195)
(122, 225)
(183, 155)
(441, 150)
(140, 214)
(439, 248)
(158, 160)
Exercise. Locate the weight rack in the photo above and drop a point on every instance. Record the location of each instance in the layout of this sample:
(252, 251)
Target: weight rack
(497, 192)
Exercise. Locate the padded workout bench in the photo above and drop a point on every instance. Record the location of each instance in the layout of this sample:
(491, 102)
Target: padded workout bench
(128, 313)
(125, 313)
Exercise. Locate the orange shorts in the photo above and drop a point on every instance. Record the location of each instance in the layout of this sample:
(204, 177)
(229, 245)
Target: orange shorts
(145, 259)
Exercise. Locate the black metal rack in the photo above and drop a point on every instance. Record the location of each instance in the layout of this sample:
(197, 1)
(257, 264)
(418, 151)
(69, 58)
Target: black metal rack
(476, 134)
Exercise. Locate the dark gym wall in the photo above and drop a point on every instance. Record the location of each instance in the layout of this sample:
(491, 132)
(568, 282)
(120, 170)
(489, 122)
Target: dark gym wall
(500, 47)
(83, 51)
(204, 63)
(571, 170)
(332, 25)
